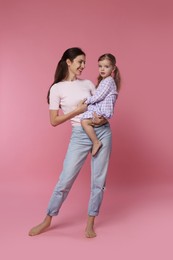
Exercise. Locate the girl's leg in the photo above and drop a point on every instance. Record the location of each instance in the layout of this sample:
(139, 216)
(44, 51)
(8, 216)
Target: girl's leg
(99, 171)
(77, 152)
(89, 129)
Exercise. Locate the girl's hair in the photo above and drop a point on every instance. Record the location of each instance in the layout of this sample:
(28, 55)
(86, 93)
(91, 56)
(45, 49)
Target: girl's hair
(116, 73)
(61, 71)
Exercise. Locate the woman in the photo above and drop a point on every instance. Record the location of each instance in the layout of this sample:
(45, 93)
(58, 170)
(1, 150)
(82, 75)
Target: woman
(69, 93)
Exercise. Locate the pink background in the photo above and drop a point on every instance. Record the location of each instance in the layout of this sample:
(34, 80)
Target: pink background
(34, 34)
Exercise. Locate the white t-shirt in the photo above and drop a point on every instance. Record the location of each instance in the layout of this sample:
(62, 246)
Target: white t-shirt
(67, 95)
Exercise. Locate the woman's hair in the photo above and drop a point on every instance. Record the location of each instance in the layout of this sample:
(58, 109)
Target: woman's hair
(61, 71)
(116, 73)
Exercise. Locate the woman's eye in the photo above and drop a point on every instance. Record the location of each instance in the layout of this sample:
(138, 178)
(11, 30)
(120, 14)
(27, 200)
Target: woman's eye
(81, 61)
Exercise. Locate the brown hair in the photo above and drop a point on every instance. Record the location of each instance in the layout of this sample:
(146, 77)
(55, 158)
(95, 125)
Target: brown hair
(116, 73)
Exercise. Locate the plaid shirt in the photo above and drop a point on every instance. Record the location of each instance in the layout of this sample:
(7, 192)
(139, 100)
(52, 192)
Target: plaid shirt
(103, 101)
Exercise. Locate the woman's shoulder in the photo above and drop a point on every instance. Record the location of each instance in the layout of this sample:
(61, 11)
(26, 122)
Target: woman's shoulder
(87, 83)
(57, 86)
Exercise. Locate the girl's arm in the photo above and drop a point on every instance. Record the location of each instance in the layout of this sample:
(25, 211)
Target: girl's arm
(56, 119)
(101, 92)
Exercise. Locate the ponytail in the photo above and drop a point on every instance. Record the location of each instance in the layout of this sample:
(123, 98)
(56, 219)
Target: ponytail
(61, 73)
(117, 78)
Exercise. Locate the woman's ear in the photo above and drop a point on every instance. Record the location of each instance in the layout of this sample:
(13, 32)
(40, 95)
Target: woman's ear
(68, 61)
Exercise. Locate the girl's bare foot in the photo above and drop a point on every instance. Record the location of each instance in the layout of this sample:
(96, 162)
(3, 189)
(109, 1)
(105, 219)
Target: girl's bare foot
(96, 146)
(41, 227)
(89, 231)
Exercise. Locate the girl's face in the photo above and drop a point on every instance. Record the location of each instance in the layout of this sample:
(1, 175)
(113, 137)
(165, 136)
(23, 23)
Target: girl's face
(76, 66)
(105, 68)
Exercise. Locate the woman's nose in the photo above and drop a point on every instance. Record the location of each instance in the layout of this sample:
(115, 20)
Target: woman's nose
(83, 65)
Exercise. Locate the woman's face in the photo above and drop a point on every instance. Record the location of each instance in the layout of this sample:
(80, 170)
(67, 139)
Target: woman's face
(76, 66)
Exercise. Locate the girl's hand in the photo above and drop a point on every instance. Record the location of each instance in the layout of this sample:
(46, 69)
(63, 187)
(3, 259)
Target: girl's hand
(98, 120)
(81, 107)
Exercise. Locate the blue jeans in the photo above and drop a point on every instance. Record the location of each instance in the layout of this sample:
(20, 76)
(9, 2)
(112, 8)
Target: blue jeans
(79, 147)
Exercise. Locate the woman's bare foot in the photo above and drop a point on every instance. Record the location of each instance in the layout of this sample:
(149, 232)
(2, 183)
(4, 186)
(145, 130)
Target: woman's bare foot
(89, 231)
(41, 227)
(96, 146)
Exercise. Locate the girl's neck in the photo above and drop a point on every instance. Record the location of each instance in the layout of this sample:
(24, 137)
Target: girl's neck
(107, 77)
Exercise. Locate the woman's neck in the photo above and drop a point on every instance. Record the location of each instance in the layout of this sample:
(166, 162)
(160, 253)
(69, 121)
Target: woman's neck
(71, 77)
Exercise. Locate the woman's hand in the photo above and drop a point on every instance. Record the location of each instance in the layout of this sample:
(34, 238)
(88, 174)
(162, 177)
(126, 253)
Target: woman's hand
(98, 120)
(56, 119)
(81, 107)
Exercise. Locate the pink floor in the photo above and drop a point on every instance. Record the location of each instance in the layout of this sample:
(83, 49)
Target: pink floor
(135, 222)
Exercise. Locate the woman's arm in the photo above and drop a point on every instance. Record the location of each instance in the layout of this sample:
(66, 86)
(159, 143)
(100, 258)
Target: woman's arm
(56, 119)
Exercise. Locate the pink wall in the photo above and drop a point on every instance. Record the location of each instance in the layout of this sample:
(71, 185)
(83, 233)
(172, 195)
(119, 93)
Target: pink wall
(33, 36)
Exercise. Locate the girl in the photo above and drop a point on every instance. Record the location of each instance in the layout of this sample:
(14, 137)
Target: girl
(103, 101)
(68, 92)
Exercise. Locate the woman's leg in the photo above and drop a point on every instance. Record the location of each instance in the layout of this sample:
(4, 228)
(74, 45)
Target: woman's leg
(98, 176)
(89, 231)
(77, 152)
(41, 227)
(89, 129)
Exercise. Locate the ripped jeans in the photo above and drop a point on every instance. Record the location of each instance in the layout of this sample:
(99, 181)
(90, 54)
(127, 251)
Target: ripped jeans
(79, 147)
